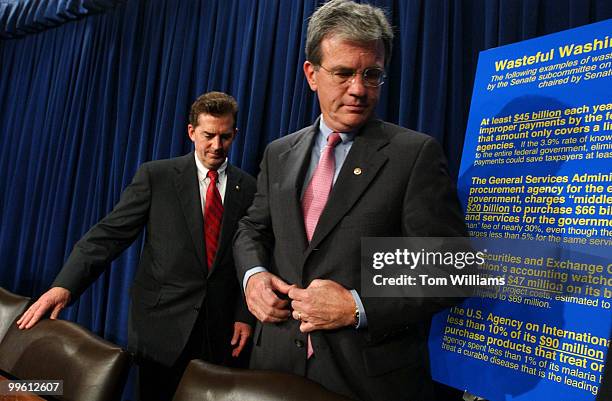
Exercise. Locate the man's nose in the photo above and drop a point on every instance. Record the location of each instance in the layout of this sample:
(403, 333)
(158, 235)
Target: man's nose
(216, 143)
(356, 86)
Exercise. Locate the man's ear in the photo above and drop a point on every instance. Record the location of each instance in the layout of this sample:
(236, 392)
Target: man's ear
(191, 132)
(310, 71)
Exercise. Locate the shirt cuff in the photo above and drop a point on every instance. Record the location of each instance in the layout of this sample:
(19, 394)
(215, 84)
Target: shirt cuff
(362, 322)
(250, 272)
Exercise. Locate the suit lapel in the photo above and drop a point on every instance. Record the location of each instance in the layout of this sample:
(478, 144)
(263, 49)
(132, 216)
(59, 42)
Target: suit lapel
(294, 163)
(231, 207)
(188, 192)
(359, 169)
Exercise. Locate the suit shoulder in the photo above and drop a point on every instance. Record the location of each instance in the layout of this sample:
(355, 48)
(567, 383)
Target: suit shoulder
(404, 144)
(283, 143)
(165, 168)
(166, 164)
(401, 135)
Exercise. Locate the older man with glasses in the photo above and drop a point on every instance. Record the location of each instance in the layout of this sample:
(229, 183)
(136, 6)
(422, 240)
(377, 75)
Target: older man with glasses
(320, 191)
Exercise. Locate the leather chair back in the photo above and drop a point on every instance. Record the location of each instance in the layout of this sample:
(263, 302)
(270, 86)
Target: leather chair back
(11, 306)
(92, 368)
(207, 382)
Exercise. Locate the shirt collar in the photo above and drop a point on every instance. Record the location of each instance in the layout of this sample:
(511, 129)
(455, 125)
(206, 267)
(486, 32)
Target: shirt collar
(325, 132)
(203, 171)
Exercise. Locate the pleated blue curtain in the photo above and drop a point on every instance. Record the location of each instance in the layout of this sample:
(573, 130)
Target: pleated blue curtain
(23, 17)
(85, 102)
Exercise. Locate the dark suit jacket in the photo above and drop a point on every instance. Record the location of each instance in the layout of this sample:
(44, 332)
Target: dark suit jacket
(605, 388)
(403, 190)
(173, 281)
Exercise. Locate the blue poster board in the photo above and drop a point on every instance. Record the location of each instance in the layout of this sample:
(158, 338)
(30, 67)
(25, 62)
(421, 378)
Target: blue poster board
(536, 172)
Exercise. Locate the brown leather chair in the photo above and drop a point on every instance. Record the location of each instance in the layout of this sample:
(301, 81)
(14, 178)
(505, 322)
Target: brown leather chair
(92, 368)
(206, 382)
(11, 306)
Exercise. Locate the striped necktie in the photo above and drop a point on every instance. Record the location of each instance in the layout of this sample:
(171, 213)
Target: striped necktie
(213, 213)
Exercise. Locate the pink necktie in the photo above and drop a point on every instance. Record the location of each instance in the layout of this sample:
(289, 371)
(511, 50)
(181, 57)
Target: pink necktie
(213, 212)
(317, 192)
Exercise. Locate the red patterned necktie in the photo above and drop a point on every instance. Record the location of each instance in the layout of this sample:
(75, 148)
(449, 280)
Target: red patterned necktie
(213, 212)
(317, 192)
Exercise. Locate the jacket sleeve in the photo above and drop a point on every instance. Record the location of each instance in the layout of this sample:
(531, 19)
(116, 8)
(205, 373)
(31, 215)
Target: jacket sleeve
(93, 253)
(254, 239)
(241, 313)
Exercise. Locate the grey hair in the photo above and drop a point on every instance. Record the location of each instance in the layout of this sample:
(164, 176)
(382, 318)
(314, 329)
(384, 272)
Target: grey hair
(350, 21)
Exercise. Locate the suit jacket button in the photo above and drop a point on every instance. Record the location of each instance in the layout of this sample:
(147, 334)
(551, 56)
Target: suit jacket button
(196, 308)
(299, 343)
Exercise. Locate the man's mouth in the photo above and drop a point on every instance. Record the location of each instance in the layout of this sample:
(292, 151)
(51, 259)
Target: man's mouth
(355, 107)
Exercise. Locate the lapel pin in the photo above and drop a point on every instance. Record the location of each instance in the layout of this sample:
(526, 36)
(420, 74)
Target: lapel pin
(357, 171)
(237, 187)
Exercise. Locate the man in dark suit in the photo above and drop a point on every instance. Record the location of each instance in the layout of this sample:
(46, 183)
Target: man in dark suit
(185, 299)
(320, 191)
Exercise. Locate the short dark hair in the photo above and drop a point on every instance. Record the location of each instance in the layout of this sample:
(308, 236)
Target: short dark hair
(351, 21)
(214, 103)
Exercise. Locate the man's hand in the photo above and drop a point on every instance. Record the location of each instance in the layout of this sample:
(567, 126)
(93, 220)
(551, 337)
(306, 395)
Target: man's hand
(262, 298)
(55, 300)
(242, 332)
(324, 305)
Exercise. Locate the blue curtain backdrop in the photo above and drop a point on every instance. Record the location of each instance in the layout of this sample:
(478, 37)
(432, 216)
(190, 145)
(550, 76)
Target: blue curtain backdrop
(93, 89)
(22, 17)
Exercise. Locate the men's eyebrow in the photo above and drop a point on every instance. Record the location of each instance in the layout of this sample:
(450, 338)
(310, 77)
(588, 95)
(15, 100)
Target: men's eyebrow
(215, 133)
(342, 67)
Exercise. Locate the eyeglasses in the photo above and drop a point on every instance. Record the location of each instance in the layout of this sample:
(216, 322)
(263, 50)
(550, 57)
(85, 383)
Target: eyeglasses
(373, 77)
